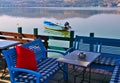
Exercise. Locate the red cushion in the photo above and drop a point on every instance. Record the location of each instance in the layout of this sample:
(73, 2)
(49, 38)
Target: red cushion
(25, 58)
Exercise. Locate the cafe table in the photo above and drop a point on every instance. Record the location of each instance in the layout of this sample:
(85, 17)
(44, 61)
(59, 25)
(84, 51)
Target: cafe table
(6, 44)
(74, 59)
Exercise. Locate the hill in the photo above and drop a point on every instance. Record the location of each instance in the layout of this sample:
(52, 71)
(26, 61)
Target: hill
(58, 3)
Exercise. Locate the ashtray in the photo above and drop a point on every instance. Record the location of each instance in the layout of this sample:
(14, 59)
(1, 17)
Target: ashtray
(81, 55)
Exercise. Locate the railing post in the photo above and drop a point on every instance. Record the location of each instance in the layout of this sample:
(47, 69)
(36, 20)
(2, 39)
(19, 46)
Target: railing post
(20, 32)
(35, 30)
(91, 45)
(71, 38)
(91, 34)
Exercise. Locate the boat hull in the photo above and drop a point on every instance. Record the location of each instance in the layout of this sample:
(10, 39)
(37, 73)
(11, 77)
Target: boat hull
(53, 26)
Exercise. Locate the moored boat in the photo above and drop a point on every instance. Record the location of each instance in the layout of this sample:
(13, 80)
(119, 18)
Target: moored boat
(56, 26)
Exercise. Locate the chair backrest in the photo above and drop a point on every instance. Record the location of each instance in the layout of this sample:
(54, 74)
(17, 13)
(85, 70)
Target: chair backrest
(38, 47)
(86, 44)
(110, 46)
(106, 46)
(10, 57)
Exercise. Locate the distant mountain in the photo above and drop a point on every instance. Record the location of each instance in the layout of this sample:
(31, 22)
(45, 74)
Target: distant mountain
(59, 3)
(58, 14)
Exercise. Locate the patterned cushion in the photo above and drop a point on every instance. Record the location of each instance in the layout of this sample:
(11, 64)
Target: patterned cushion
(47, 68)
(105, 60)
(115, 75)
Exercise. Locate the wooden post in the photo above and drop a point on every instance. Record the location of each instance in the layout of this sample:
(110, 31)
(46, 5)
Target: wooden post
(91, 45)
(91, 34)
(20, 30)
(35, 30)
(71, 38)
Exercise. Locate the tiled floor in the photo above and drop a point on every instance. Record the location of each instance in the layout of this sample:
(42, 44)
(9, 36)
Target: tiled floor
(6, 79)
(95, 77)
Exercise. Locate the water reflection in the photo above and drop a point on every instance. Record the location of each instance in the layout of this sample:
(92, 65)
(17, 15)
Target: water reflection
(104, 22)
(55, 13)
(57, 32)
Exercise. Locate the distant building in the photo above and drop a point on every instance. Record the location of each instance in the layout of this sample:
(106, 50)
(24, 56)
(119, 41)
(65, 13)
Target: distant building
(118, 5)
(72, 1)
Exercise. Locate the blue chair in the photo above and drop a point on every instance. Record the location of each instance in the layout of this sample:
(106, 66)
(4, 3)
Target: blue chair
(46, 67)
(108, 49)
(116, 73)
(85, 44)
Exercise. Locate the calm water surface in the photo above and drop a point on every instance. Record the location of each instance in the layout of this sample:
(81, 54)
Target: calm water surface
(104, 22)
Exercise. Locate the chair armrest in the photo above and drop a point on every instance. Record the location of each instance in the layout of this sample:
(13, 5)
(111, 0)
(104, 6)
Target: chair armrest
(69, 50)
(117, 62)
(56, 52)
(38, 75)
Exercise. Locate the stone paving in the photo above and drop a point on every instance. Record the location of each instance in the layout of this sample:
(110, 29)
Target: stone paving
(95, 77)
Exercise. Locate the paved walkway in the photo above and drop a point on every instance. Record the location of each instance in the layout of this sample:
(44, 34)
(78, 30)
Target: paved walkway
(96, 77)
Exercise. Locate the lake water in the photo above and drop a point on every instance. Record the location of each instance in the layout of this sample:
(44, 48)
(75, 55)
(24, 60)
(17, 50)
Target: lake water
(104, 22)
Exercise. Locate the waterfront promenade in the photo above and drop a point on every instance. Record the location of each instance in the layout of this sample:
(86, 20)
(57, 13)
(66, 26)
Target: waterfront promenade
(98, 75)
